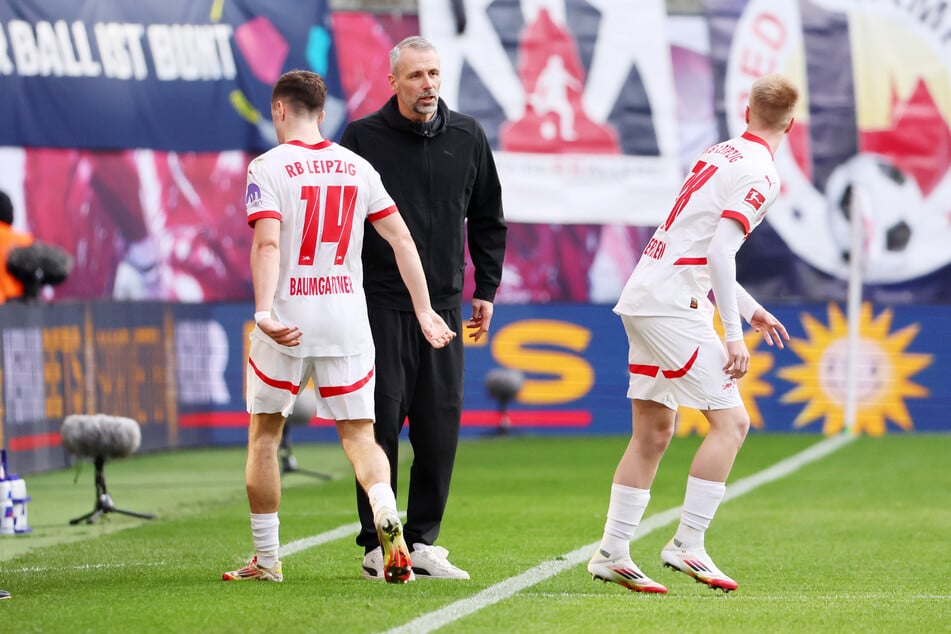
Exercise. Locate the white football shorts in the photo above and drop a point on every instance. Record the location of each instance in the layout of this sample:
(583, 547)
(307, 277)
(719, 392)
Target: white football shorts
(676, 361)
(344, 385)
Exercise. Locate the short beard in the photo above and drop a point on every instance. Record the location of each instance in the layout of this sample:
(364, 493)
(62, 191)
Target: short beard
(420, 109)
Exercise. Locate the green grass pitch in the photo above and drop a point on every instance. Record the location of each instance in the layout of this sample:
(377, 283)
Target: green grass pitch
(858, 541)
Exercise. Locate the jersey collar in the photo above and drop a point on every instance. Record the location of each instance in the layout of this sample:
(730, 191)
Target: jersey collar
(749, 136)
(318, 146)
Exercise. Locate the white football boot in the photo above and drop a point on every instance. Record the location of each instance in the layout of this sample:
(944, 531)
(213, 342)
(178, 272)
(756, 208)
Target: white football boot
(697, 564)
(622, 571)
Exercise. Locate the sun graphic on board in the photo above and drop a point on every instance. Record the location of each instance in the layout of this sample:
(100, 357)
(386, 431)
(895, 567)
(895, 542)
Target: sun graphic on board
(882, 376)
(690, 420)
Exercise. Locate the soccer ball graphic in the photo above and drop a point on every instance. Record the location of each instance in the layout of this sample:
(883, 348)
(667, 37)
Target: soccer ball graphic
(871, 185)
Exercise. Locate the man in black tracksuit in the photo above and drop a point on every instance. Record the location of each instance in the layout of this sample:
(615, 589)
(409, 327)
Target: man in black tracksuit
(438, 167)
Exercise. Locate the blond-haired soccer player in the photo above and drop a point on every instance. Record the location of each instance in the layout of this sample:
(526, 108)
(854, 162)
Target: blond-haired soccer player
(676, 357)
(308, 200)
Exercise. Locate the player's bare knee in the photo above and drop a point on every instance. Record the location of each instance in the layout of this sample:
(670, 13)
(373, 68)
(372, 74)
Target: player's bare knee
(264, 444)
(358, 440)
(732, 424)
(661, 437)
(741, 427)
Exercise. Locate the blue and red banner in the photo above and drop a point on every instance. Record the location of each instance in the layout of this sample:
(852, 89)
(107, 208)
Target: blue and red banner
(174, 75)
(179, 370)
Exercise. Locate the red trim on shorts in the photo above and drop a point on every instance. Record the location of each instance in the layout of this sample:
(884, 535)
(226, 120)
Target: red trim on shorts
(646, 370)
(740, 218)
(383, 213)
(281, 385)
(676, 374)
(339, 390)
(689, 261)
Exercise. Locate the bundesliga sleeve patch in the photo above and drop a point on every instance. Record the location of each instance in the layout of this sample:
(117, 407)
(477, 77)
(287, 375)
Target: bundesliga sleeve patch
(754, 198)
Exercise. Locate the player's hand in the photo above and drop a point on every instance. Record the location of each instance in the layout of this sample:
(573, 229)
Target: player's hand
(480, 320)
(773, 330)
(284, 335)
(436, 331)
(738, 359)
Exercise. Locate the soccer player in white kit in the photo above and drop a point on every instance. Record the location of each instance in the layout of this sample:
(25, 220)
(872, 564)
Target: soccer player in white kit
(308, 200)
(676, 357)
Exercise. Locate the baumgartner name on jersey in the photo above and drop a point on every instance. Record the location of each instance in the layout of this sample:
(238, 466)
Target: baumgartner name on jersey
(321, 285)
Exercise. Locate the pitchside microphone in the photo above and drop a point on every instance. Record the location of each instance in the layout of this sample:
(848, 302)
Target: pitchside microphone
(504, 384)
(101, 438)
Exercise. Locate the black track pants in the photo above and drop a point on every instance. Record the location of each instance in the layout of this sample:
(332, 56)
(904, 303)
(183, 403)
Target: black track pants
(414, 381)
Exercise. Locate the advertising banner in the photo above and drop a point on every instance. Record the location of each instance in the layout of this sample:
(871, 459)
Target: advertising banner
(179, 370)
(174, 75)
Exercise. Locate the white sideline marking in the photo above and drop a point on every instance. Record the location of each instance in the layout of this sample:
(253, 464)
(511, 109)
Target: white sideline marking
(783, 598)
(546, 569)
(286, 550)
(347, 530)
(35, 569)
(316, 540)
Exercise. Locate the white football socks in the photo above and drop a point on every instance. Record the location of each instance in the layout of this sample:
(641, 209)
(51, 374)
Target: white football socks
(267, 541)
(381, 496)
(625, 511)
(701, 501)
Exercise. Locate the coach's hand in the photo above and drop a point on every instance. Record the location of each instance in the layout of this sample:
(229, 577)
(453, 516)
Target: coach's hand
(480, 320)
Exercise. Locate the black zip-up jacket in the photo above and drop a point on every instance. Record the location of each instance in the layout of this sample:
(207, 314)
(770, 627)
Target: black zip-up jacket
(442, 176)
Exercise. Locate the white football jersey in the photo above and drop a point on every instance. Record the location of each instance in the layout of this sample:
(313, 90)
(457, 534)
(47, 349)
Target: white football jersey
(735, 179)
(321, 194)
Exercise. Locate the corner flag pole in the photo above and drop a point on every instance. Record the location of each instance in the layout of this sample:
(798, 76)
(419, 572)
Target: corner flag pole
(854, 308)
